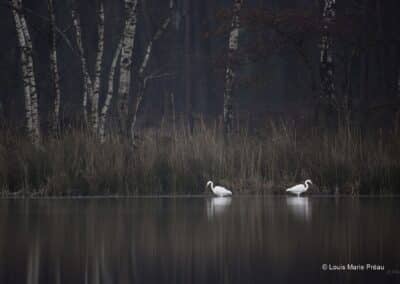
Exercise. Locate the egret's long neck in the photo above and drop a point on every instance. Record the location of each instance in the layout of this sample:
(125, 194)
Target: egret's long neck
(212, 186)
(306, 185)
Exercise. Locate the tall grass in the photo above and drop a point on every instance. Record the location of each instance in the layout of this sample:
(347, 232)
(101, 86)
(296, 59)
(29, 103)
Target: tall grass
(165, 161)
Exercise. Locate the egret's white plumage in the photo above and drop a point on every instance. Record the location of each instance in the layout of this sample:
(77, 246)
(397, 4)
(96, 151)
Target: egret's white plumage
(219, 190)
(299, 188)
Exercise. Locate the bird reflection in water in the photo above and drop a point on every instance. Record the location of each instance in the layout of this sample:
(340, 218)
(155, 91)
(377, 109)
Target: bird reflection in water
(300, 207)
(216, 206)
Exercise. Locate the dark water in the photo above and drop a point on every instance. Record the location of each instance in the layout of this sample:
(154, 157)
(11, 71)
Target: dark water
(199, 240)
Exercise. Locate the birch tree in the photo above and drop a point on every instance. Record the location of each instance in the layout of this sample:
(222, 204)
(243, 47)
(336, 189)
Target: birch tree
(128, 42)
(187, 61)
(54, 67)
(26, 52)
(328, 93)
(230, 72)
(91, 87)
(24, 64)
(141, 77)
(31, 76)
(99, 62)
(110, 92)
(87, 83)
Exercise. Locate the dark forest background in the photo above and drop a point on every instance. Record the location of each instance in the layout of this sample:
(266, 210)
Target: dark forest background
(279, 58)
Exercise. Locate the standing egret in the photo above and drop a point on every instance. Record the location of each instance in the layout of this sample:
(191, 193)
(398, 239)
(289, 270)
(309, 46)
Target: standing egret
(219, 190)
(300, 188)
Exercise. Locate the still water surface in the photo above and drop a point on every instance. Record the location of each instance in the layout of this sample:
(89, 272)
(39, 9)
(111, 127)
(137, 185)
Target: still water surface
(246, 239)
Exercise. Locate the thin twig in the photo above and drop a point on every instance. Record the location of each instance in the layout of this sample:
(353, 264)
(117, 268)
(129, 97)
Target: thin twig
(57, 29)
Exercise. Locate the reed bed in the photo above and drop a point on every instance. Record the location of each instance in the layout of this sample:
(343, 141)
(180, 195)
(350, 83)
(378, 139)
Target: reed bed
(174, 160)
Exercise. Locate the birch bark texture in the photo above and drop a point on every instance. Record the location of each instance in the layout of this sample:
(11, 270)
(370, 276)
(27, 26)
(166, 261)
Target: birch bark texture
(126, 64)
(91, 87)
(26, 52)
(327, 68)
(110, 92)
(54, 68)
(31, 76)
(87, 83)
(230, 68)
(99, 63)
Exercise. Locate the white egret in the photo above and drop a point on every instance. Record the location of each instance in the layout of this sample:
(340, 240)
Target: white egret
(219, 190)
(299, 188)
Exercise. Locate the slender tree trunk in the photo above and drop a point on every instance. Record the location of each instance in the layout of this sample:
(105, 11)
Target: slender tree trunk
(141, 90)
(54, 68)
(97, 79)
(31, 98)
(31, 75)
(142, 79)
(87, 83)
(347, 91)
(187, 76)
(173, 113)
(328, 97)
(230, 70)
(128, 43)
(24, 67)
(110, 92)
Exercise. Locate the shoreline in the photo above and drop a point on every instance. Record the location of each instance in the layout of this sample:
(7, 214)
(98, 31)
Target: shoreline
(199, 196)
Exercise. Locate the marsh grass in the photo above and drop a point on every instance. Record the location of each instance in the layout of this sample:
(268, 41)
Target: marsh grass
(169, 161)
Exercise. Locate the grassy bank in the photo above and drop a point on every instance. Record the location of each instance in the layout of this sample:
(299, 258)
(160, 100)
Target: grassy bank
(167, 161)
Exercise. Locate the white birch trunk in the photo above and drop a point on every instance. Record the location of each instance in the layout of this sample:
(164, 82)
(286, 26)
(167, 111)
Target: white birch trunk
(25, 44)
(24, 67)
(97, 79)
(142, 83)
(230, 72)
(128, 43)
(110, 92)
(87, 83)
(54, 68)
(31, 76)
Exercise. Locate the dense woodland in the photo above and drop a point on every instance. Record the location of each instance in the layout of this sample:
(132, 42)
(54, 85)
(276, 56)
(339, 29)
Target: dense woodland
(142, 97)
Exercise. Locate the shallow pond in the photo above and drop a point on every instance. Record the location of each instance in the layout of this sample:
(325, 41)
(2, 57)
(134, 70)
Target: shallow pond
(246, 239)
